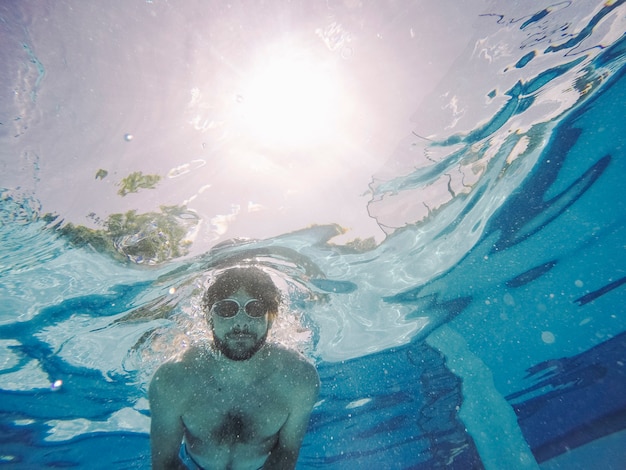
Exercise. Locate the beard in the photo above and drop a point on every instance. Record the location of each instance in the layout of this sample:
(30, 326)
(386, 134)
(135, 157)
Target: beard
(235, 350)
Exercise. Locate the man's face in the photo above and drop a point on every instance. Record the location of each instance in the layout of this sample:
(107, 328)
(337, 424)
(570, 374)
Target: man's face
(241, 336)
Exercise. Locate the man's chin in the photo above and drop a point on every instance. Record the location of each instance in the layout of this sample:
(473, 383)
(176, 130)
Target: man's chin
(239, 349)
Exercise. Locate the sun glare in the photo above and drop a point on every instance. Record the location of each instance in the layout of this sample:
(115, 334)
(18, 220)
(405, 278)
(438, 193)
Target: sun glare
(290, 99)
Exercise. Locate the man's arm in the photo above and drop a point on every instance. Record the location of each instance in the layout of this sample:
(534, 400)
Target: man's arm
(285, 453)
(166, 425)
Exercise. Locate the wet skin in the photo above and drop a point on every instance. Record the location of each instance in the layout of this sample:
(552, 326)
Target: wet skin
(246, 405)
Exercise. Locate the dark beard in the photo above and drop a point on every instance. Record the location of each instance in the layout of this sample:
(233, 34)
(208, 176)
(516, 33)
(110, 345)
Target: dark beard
(238, 354)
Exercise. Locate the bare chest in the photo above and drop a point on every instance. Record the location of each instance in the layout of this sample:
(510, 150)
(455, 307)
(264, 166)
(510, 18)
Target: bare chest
(228, 419)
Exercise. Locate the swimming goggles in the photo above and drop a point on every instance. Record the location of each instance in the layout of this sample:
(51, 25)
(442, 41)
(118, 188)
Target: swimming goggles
(228, 308)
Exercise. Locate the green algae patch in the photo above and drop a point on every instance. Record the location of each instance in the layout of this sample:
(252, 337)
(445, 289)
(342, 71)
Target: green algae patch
(101, 174)
(148, 238)
(136, 181)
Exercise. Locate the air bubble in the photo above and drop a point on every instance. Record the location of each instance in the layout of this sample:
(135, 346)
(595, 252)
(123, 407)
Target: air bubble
(547, 337)
(56, 385)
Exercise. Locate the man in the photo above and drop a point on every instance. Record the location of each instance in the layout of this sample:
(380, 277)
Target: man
(241, 403)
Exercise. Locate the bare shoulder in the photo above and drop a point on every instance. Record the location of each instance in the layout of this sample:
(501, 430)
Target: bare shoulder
(170, 375)
(294, 369)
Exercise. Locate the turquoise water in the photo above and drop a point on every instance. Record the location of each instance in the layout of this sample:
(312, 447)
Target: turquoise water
(481, 324)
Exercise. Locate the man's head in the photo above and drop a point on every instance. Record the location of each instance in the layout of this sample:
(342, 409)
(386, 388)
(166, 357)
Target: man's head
(241, 304)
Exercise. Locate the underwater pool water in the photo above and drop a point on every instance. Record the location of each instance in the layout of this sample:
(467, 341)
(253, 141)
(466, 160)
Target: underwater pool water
(472, 318)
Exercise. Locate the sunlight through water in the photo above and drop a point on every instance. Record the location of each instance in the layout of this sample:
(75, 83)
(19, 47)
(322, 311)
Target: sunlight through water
(290, 98)
(434, 186)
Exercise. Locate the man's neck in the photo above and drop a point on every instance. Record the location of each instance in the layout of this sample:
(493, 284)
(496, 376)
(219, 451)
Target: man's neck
(245, 370)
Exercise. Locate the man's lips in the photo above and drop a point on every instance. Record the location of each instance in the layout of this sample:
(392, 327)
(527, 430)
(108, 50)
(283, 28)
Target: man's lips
(240, 335)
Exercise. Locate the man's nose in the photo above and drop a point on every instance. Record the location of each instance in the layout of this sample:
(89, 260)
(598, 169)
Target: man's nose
(241, 320)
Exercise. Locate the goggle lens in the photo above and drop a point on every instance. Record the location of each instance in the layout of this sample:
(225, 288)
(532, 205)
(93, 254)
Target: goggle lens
(228, 308)
(255, 308)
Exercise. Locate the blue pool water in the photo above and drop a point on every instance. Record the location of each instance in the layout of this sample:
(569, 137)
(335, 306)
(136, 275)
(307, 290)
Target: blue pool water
(476, 317)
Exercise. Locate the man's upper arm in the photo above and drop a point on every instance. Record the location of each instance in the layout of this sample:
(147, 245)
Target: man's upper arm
(292, 433)
(166, 426)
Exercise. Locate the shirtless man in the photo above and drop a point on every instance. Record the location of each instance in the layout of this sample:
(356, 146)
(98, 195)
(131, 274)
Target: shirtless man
(242, 403)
